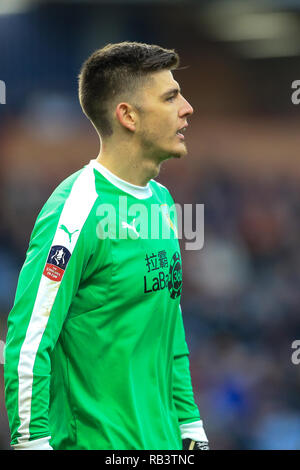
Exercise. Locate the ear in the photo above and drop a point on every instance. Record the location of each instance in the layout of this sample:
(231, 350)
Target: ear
(126, 116)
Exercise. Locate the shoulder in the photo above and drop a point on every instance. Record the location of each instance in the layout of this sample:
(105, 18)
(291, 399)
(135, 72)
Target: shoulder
(76, 190)
(158, 185)
(162, 191)
(71, 202)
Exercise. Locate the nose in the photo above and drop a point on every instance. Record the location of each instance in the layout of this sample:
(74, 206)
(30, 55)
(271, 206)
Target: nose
(185, 109)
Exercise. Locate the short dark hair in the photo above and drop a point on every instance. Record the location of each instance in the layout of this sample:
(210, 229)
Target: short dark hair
(114, 69)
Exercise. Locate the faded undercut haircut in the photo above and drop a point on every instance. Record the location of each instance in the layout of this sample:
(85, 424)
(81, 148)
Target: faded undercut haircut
(116, 69)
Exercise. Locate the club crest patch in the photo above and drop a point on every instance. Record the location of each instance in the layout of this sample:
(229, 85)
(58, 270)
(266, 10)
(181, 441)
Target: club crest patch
(57, 262)
(175, 276)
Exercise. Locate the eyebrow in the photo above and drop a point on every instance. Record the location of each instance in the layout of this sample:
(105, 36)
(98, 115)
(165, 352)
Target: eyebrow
(170, 92)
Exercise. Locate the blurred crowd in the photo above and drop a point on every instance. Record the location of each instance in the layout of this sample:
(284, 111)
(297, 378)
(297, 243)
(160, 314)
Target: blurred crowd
(241, 304)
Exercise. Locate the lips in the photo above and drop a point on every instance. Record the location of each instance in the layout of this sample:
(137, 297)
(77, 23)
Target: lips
(181, 131)
(181, 136)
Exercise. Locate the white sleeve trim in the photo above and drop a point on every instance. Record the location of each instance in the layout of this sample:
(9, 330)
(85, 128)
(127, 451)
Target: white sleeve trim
(193, 431)
(37, 444)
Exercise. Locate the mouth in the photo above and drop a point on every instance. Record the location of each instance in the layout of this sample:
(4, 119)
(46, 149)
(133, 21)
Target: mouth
(180, 132)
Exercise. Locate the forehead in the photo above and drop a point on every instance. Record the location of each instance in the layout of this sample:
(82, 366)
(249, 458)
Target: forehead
(160, 83)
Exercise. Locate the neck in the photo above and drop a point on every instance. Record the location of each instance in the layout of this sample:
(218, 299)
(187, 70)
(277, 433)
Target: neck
(128, 163)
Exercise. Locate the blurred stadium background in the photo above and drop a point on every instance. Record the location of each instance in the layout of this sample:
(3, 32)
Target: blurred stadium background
(241, 296)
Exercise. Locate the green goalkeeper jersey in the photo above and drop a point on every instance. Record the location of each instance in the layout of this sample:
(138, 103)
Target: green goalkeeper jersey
(95, 355)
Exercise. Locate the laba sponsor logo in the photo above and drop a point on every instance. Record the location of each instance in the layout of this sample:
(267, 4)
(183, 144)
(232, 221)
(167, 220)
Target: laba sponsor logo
(161, 280)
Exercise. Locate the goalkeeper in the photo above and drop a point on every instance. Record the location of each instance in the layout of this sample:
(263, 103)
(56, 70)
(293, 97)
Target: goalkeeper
(95, 355)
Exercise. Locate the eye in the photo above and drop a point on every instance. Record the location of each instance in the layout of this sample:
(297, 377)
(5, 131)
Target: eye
(171, 98)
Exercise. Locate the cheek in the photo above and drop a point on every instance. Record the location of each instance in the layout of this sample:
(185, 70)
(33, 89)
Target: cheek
(154, 130)
(158, 127)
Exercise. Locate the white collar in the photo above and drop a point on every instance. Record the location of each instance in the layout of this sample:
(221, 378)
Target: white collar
(140, 192)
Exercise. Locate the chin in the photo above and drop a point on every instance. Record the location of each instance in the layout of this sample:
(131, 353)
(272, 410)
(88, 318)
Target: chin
(180, 153)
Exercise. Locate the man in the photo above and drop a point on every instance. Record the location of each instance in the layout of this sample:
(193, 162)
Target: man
(96, 356)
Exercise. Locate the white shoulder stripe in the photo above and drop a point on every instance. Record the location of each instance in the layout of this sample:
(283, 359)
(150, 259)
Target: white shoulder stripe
(76, 210)
(74, 214)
